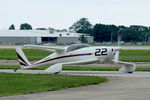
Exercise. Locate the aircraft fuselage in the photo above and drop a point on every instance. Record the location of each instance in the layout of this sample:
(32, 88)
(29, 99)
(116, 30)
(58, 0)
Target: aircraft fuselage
(96, 54)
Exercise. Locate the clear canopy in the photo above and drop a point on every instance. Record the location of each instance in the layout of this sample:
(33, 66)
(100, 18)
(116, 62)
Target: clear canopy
(76, 46)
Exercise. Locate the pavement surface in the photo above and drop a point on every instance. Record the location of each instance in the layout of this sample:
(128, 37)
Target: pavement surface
(121, 86)
(90, 73)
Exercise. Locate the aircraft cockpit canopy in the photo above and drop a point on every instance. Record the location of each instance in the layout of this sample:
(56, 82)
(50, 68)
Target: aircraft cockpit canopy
(76, 46)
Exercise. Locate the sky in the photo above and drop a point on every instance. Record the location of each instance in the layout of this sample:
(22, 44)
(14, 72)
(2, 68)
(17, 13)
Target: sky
(60, 14)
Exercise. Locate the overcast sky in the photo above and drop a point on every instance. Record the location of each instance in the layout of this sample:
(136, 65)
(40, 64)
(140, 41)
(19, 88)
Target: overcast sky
(63, 13)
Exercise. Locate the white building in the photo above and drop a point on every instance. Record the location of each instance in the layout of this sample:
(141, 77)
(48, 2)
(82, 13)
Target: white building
(39, 36)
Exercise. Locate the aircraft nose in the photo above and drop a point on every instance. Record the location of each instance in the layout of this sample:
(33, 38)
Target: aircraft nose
(113, 51)
(117, 49)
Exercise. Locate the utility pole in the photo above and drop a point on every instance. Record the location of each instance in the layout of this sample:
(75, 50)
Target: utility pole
(119, 37)
(111, 37)
(145, 38)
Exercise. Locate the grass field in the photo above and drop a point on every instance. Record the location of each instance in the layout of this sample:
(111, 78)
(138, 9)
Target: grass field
(33, 54)
(14, 84)
(77, 68)
(135, 55)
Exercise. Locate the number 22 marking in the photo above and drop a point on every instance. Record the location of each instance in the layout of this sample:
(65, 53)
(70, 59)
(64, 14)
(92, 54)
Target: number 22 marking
(100, 52)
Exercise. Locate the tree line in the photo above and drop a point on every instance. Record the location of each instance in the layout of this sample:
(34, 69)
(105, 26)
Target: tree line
(106, 33)
(24, 26)
(103, 32)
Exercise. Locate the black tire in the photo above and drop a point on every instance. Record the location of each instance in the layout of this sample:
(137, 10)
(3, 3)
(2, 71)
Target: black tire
(57, 73)
(130, 72)
(15, 70)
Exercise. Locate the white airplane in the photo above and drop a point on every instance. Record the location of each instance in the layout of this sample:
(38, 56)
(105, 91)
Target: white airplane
(75, 54)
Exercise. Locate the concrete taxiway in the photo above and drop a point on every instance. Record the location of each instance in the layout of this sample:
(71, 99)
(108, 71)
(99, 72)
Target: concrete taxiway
(121, 86)
(91, 73)
(116, 89)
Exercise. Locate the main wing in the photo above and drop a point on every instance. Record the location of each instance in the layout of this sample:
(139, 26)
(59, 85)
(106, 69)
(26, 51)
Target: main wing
(56, 68)
(48, 48)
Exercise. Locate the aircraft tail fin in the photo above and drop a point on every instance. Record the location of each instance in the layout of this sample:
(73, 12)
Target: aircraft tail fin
(24, 63)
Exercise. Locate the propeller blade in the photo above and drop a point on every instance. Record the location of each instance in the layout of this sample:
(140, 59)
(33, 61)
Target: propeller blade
(118, 49)
(116, 58)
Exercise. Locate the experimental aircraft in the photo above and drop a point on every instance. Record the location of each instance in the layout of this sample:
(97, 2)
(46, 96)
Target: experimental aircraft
(75, 54)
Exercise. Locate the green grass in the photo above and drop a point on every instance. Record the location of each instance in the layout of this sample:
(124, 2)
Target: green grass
(33, 54)
(14, 84)
(76, 68)
(135, 55)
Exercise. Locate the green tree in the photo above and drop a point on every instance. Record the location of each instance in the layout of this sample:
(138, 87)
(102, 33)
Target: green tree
(25, 26)
(129, 35)
(12, 27)
(83, 39)
(140, 28)
(121, 27)
(82, 26)
(101, 32)
(142, 32)
(135, 33)
(113, 32)
(41, 28)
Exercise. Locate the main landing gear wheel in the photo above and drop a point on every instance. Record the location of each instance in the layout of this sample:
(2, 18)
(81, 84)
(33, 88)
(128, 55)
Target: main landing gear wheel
(57, 73)
(130, 72)
(15, 70)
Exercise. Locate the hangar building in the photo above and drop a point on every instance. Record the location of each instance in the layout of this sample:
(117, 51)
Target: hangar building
(20, 37)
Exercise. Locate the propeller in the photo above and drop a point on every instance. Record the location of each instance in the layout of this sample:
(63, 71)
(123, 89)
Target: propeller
(117, 50)
(116, 58)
